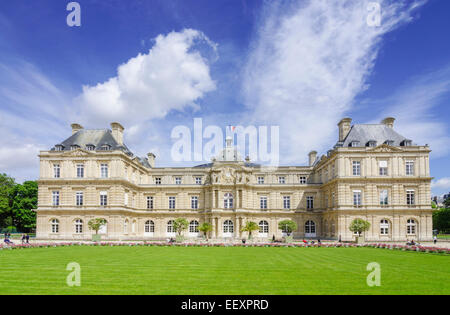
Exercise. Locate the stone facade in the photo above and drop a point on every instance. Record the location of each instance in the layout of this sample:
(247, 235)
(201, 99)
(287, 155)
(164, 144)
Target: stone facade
(384, 180)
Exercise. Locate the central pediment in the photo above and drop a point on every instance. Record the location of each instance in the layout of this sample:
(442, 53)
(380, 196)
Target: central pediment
(385, 148)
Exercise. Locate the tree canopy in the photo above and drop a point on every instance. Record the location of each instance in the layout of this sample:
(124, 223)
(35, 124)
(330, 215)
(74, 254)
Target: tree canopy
(359, 226)
(249, 227)
(287, 226)
(180, 224)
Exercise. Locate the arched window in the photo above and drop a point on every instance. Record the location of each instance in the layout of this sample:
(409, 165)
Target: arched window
(310, 229)
(228, 227)
(55, 226)
(133, 227)
(228, 201)
(170, 227)
(384, 227)
(78, 226)
(411, 227)
(263, 227)
(193, 226)
(149, 226)
(125, 226)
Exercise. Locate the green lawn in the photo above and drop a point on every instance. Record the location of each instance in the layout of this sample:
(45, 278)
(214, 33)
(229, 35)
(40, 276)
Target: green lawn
(221, 270)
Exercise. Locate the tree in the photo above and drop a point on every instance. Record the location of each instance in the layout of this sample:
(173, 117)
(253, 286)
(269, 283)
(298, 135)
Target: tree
(23, 199)
(287, 226)
(96, 224)
(205, 228)
(359, 226)
(6, 185)
(441, 221)
(180, 225)
(249, 227)
(447, 203)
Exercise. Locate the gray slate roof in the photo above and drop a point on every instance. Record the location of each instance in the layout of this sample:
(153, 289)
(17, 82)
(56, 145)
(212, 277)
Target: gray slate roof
(98, 138)
(376, 132)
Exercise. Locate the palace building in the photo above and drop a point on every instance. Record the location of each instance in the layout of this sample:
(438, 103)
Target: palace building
(372, 173)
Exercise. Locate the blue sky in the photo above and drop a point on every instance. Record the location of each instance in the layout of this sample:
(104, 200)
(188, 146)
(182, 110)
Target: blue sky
(300, 65)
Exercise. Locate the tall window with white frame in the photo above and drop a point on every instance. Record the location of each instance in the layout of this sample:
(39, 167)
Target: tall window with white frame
(383, 168)
(80, 170)
(384, 227)
(177, 180)
(357, 198)
(198, 180)
(384, 197)
(228, 201)
(411, 227)
(410, 197)
(158, 180)
(104, 170)
(55, 226)
(260, 180)
(103, 198)
(356, 168)
(78, 226)
(55, 198)
(263, 202)
(172, 203)
(149, 202)
(287, 202)
(409, 168)
(302, 180)
(194, 202)
(79, 198)
(309, 203)
(56, 171)
(281, 180)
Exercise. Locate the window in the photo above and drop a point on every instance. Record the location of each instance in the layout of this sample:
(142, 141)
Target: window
(287, 202)
(104, 170)
(55, 226)
(149, 226)
(354, 144)
(384, 201)
(79, 198)
(372, 143)
(383, 168)
(56, 171)
(384, 227)
(281, 180)
(90, 147)
(409, 168)
(177, 180)
(356, 168)
(198, 180)
(389, 142)
(194, 202)
(171, 202)
(125, 227)
(55, 198)
(228, 201)
(410, 197)
(193, 226)
(263, 202)
(78, 226)
(260, 180)
(149, 202)
(80, 170)
(74, 147)
(357, 198)
(170, 227)
(310, 202)
(263, 227)
(158, 180)
(228, 227)
(302, 180)
(310, 227)
(103, 198)
(410, 227)
(59, 147)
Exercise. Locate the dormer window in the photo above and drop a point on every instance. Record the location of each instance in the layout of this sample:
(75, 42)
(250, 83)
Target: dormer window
(354, 144)
(389, 142)
(106, 147)
(59, 147)
(406, 143)
(90, 147)
(74, 147)
(372, 143)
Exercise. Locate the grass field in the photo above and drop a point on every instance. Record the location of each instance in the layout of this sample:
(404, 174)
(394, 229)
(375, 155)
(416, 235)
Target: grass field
(221, 270)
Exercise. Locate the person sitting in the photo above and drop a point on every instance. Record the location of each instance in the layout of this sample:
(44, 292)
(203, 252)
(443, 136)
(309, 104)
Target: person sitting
(7, 241)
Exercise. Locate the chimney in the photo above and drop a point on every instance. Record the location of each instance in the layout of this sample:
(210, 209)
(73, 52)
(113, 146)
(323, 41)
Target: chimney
(117, 132)
(344, 128)
(151, 159)
(76, 128)
(312, 157)
(388, 121)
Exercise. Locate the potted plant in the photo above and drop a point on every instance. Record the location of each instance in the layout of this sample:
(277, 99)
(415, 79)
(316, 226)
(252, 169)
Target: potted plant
(359, 226)
(205, 228)
(250, 227)
(96, 225)
(288, 226)
(179, 226)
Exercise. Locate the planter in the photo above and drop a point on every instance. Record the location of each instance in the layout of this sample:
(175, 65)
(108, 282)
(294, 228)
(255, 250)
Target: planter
(360, 240)
(289, 239)
(96, 238)
(179, 238)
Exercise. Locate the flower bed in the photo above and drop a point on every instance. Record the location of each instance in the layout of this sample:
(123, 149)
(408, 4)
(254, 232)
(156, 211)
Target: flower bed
(418, 248)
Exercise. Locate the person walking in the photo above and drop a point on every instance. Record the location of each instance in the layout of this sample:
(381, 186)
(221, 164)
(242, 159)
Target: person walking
(27, 237)
(435, 240)
(23, 238)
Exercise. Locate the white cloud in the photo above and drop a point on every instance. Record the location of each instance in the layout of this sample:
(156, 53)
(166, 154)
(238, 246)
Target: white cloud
(441, 184)
(173, 75)
(414, 105)
(309, 62)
